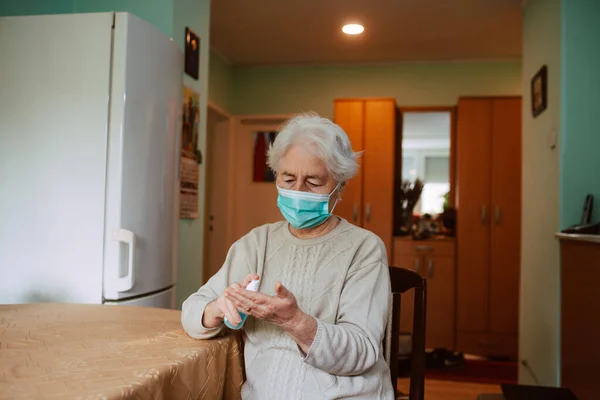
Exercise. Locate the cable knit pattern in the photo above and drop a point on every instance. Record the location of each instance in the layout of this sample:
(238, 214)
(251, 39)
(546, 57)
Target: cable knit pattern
(342, 280)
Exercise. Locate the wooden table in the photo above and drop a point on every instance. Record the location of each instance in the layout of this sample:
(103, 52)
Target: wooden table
(72, 351)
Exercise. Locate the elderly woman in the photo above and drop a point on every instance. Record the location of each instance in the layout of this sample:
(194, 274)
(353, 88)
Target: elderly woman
(316, 325)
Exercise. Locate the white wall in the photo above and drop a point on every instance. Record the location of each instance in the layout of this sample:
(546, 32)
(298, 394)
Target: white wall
(539, 337)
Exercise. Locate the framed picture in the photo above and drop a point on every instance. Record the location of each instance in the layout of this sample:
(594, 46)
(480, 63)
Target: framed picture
(188, 168)
(192, 53)
(539, 91)
(261, 171)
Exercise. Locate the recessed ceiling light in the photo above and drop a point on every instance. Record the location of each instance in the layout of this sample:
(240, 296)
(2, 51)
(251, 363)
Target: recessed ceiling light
(353, 29)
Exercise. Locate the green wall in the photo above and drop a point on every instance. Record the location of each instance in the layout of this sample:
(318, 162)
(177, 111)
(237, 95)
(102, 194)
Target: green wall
(539, 304)
(196, 15)
(220, 83)
(158, 12)
(34, 7)
(580, 155)
(281, 90)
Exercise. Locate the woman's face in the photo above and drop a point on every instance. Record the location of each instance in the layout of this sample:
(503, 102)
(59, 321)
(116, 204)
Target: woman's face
(300, 170)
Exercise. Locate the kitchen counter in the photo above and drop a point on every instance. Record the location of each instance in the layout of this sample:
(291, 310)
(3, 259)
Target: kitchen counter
(579, 238)
(580, 307)
(77, 351)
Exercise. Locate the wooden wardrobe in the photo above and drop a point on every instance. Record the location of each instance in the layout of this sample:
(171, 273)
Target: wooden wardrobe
(488, 225)
(367, 200)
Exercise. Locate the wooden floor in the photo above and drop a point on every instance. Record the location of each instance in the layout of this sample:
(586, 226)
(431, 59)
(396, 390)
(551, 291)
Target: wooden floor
(446, 390)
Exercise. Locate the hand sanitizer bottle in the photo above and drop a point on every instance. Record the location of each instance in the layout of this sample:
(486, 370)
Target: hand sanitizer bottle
(252, 287)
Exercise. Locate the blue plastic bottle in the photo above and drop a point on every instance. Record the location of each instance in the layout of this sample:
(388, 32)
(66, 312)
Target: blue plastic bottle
(252, 287)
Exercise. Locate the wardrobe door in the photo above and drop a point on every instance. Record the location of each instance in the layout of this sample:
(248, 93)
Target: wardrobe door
(440, 273)
(349, 115)
(378, 169)
(473, 145)
(505, 232)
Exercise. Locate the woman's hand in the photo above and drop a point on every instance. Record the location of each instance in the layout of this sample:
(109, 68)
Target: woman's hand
(222, 307)
(281, 309)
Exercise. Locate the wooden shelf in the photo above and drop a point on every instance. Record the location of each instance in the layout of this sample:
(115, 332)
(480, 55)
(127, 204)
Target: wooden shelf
(580, 307)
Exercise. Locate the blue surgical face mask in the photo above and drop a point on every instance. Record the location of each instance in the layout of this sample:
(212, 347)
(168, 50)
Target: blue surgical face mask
(304, 209)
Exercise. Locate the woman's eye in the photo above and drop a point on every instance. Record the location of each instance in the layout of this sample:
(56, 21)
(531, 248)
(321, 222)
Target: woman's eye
(311, 184)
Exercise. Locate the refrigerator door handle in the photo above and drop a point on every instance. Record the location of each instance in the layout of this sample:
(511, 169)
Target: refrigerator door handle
(123, 284)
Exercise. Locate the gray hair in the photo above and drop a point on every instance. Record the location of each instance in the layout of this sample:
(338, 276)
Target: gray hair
(323, 138)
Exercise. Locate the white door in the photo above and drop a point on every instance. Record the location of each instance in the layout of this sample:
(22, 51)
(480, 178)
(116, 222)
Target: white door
(143, 164)
(54, 86)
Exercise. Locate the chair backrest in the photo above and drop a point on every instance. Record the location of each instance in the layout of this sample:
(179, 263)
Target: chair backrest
(402, 281)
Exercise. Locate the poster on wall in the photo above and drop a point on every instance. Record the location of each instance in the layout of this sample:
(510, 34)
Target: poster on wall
(190, 157)
(188, 192)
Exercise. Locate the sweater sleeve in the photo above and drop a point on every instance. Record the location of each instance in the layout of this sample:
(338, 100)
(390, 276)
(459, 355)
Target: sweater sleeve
(352, 345)
(235, 269)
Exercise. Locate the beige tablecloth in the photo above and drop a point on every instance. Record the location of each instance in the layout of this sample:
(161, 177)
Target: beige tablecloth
(70, 351)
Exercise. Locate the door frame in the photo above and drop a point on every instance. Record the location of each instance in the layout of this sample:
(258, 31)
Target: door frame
(226, 118)
(453, 110)
(235, 123)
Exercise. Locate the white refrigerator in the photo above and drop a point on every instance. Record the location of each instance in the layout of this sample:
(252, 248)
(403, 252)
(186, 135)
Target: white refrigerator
(90, 122)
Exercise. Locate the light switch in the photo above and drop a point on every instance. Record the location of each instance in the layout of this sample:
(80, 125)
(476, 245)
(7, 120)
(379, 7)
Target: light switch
(552, 137)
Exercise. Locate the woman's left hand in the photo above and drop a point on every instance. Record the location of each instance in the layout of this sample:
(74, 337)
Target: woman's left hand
(281, 309)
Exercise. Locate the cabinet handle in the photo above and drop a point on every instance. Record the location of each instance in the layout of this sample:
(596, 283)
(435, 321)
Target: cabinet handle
(417, 266)
(488, 343)
(424, 248)
(483, 215)
(355, 213)
(497, 215)
(368, 212)
(430, 267)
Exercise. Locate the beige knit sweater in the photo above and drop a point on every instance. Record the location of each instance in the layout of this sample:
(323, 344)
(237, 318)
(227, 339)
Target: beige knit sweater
(342, 280)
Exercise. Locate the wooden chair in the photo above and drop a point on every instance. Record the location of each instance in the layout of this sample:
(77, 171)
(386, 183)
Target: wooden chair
(402, 281)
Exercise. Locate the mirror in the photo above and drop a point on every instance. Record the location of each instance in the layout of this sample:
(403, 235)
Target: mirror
(426, 142)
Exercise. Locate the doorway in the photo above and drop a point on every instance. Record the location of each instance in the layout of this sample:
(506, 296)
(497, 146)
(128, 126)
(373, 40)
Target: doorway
(219, 140)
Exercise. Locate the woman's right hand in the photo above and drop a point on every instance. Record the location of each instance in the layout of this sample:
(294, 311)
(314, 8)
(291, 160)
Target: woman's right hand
(222, 307)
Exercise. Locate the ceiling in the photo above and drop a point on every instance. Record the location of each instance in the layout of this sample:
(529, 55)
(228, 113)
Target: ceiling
(275, 32)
